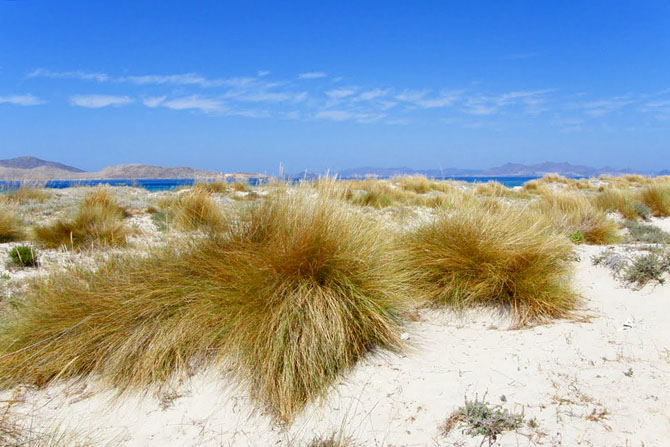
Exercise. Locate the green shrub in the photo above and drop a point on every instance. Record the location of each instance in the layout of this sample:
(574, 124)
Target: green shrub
(650, 234)
(647, 268)
(577, 237)
(23, 256)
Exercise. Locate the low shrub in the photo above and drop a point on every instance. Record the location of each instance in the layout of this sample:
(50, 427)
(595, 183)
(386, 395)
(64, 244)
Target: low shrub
(650, 234)
(23, 256)
(647, 268)
(288, 296)
(481, 419)
(507, 259)
(27, 193)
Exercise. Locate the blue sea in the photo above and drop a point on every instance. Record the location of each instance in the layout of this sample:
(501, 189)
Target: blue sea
(169, 184)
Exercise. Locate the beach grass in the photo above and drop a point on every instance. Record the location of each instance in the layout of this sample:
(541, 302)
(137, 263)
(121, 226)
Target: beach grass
(11, 228)
(286, 296)
(657, 197)
(98, 222)
(507, 259)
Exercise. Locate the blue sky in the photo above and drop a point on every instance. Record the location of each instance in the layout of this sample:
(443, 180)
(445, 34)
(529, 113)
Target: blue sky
(245, 86)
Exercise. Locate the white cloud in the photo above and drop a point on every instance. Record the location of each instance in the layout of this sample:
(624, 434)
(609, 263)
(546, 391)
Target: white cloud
(153, 101)
(21, 100)
(420, 98)
(262, 73)
(99, 101)
(603, 107)
(340, 93)
(273, 97)
(194, 102)
(487, 105)
(373, 94)
(343, 115)
(312, 75)
(43, 73)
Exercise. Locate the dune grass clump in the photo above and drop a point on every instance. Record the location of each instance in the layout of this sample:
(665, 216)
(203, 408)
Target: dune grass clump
(289, 296)
(570, 213)
(508, 260)
(97, 223)
(619, 200)
(657, 197)
(375, 193)
(11, 228)
(216, 187)
(418, 184)
(27, 193)
(193, 210)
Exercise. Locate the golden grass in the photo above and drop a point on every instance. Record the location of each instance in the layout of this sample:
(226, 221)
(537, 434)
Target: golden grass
(657, 197)
(618, 200)
(217, 187)
(196, 210)
(508, 260)
(289, 296)
(11, 228)
(575, 216)
(374, 193)
(414, 183)
(97, 223)
(27, 193)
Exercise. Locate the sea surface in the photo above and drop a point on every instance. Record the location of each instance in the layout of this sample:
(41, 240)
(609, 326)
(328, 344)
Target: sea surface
(169, 184)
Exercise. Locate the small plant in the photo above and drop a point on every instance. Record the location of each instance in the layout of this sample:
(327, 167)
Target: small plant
(629, 372)
(480, 419)
(646, 233)
(23, 256)
(334, 440)
(577, 237)
(642, 210)
(647, 268)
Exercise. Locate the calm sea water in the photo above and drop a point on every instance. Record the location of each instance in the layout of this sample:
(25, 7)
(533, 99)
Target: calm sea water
(168, 184)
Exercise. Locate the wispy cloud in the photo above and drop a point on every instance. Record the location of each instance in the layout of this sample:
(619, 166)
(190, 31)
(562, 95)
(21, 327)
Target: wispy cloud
(153, 101)
(531, 100)
(424, 100)
(603, 107)
(99, 101)
(312, 75)
(194, 102)
(86, 76)
(21, 100)
(340, 93)
(343, 115)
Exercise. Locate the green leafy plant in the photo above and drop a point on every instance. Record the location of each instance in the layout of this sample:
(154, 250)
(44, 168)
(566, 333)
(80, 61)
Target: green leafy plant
(577, 237)
(647, 268)
(23, 256)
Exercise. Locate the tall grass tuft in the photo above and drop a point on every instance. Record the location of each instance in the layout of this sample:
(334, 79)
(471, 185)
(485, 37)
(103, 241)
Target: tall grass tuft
(97, 223)
(508, 259)
(622, 201)
(289, 296)
(572, 213)
(196, 210)
(27, 193)
(657, 197)
(11, 228)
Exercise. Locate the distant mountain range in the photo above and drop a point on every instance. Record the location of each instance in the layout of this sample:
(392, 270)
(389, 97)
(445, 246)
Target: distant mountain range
(36, 169)
(506, 170)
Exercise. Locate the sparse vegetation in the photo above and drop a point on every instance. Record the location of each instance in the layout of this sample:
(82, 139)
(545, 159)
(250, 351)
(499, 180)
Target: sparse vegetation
(650, 234)
(27, 193)
(23, 256)
(509, 260)
(289, 295)
(647, 268)
(195, 210)
(98, 222)
(481, 419)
